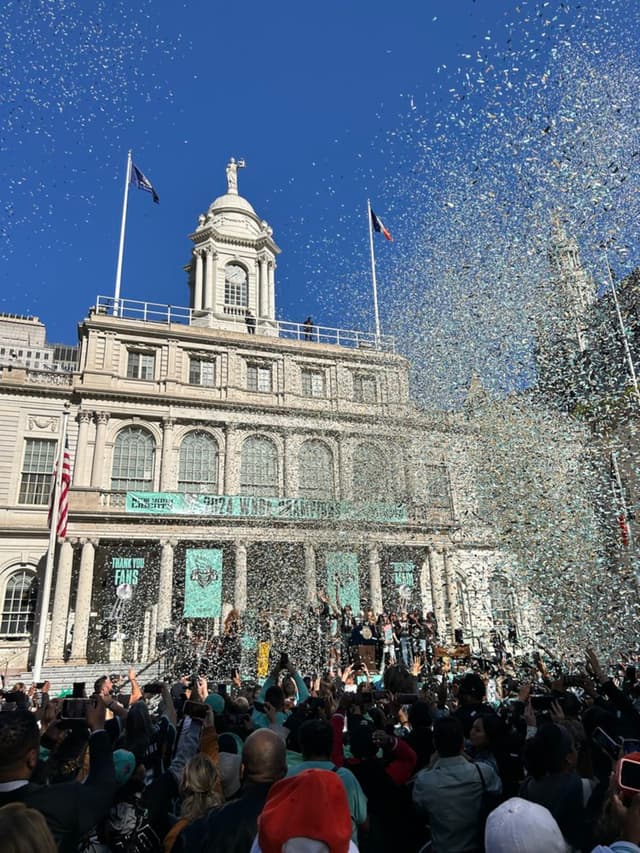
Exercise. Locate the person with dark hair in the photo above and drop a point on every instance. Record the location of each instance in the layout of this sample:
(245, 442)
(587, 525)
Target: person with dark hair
(233, 826)
(315, 738)
(451, 792)
(471, 695)
(71, 809)
(550, 758)
(384, 783)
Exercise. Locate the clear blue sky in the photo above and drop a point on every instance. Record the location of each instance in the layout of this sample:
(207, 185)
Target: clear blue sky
(328, 103)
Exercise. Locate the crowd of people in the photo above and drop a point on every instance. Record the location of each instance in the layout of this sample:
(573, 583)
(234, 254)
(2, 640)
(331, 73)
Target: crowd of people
(502, 756)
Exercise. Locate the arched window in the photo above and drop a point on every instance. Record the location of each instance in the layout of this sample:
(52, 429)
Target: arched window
(315, 471)
(259, 467)
(371, 481)
(502, 604)
(198, 463)
(133, 461)
(19, 605)
(236, 289)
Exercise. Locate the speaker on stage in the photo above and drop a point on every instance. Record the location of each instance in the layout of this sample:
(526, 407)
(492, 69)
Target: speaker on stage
(458, 637)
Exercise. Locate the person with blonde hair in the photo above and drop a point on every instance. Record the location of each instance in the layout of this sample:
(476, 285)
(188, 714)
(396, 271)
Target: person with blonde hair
(24, 830)
(199, 789)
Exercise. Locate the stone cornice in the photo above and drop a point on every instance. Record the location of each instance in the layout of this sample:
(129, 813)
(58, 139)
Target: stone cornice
(262, 241)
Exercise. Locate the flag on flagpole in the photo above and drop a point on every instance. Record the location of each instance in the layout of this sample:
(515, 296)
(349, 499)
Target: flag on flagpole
(378, 225)
(63, 498)
(141, 182)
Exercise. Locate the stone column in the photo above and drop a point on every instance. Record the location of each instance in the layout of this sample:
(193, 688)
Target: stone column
(197, 287)
(375, 584)
(271, 288)
(102, 419)
(426, 598)
(438, 592)
(263, 287)
(288, 467)
(167, 482)
(344, 486)
(213, 265)
(208, 280)
(83, 602)
(60, 612)
(81, 470)
(310, 575)
(240, 589)
(231, 474)
(165, 591)
(455, 617)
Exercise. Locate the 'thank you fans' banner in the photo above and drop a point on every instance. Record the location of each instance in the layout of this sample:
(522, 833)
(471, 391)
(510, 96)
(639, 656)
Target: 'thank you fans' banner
(342, 569)
(203, 583)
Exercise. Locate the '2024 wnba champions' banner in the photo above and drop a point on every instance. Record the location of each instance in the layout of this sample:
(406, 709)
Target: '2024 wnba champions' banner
(203, 583)
(247, 506)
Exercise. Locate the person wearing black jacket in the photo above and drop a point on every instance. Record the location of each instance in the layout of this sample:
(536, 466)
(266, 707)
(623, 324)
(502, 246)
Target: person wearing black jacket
(233, 826)
(71, 809)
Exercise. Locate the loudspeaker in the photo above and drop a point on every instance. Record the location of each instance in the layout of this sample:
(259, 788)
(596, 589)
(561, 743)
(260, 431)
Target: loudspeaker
(512, 634)
(458, 636)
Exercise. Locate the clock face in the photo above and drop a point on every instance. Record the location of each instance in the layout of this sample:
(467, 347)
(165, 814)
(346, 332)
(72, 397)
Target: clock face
(235, 274)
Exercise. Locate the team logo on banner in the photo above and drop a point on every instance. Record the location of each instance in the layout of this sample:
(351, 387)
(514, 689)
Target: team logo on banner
(203, 583)
(342, 571)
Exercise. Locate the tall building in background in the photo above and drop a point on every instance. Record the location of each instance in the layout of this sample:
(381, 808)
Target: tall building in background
(223, 458)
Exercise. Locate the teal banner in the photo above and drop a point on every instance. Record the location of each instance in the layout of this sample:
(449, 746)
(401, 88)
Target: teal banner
(241, 506)
(203, 583)
(403, 573)
(342, 569)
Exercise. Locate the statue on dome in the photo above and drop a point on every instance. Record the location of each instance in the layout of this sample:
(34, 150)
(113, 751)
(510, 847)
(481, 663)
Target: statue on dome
(232, 175)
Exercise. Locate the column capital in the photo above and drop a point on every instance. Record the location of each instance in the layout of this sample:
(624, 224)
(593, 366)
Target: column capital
(240, 543)
(102, 417)
(168, 423)
(168, 543)
(89, 540)
(85, 416)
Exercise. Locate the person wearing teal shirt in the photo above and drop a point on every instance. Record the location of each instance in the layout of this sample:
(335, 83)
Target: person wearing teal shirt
(272, 696)
(316, 742)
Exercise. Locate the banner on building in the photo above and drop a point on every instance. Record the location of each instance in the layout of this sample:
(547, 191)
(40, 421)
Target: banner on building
(203, 583)
(342, 569)
(248, 506)
(403, 579)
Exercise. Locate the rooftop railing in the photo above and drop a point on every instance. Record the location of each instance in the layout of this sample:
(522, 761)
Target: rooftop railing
(154, 312)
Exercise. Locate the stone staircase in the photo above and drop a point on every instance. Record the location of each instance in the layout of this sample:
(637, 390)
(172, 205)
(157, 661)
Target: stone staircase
(62, 678)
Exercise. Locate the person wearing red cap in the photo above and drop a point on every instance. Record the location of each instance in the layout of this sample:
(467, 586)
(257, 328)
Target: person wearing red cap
(306, 813)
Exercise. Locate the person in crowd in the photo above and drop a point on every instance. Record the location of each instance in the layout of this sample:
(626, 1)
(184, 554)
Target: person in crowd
(522, 826)
(306, 812)
(24, 830)
(233, 826)
(471, 694)
(71, 809)
(315, 738)
(384, 783)
(550, 759)
(452, 791)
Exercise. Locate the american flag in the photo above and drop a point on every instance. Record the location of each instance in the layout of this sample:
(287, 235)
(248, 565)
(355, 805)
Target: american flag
(63, 499)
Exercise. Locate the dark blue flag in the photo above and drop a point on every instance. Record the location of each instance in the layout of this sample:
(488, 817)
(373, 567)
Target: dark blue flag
(141, 182)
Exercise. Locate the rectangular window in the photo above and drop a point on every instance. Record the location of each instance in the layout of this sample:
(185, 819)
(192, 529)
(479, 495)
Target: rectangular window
(140, 365)
(202, 372)
(365, 388)
(37, 467)
(432, 486)
(258, 377)
(313, 383)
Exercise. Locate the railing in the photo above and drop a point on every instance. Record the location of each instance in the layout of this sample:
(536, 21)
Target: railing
(49, 377)
(153, 312)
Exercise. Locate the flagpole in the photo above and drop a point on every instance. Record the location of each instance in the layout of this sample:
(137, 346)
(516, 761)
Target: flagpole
(373, 276)
(48, 572)
(123, 225)
(623, 330)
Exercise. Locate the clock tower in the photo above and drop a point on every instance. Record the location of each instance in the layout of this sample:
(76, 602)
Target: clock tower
(232, 270)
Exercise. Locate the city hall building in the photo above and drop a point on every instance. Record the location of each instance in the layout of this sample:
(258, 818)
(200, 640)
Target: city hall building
(222, 458)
